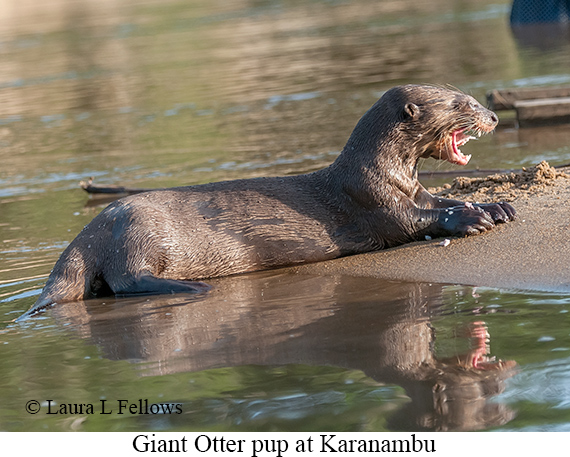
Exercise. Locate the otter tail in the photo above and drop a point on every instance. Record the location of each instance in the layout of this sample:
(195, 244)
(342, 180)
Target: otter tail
(75, 277)
(39, 305)
(71, 279)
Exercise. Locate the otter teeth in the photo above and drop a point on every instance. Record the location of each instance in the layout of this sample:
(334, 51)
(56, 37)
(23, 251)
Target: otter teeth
(465, 139)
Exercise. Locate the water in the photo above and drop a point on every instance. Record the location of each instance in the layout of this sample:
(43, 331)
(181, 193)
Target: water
(169, 93)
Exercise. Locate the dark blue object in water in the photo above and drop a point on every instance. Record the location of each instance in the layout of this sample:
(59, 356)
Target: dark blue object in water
(540, 11)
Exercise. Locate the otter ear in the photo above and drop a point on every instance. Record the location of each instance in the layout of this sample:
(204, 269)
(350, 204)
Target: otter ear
(411, 111)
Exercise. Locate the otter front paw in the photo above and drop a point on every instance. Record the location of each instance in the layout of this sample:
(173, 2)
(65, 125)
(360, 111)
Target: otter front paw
(500, 212)
(465, 220)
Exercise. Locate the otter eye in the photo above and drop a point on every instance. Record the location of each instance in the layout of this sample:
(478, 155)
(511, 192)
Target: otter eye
(473, 105)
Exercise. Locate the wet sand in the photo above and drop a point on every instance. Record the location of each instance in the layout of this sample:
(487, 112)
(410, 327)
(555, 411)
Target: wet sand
(531, 253)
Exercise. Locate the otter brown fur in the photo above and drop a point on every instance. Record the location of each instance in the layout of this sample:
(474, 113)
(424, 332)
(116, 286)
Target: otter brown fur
(369, 199)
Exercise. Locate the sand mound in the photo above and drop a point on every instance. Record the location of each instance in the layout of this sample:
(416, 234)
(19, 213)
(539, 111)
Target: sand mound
(502, 186)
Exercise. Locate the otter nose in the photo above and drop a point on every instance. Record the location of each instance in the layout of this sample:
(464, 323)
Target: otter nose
(494, 117)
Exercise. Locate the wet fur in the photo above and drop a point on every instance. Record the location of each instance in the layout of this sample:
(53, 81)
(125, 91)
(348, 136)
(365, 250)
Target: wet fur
(368, 199)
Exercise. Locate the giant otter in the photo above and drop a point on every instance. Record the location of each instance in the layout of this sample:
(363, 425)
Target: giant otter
(370, 198)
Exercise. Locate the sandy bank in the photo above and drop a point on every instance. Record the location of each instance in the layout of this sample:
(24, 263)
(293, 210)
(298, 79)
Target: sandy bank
(532, 252)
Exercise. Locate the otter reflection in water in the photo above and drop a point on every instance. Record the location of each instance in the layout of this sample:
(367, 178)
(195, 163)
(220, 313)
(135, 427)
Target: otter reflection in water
(369, 199)
(382, 328)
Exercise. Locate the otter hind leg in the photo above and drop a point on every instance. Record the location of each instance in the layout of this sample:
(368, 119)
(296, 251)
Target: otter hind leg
(151, 285)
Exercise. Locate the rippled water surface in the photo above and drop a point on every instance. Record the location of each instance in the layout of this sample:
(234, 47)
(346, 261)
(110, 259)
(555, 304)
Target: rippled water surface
(164, 93)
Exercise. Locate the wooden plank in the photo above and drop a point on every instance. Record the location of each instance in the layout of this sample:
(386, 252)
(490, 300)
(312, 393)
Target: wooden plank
(543, 111)
(505, 99)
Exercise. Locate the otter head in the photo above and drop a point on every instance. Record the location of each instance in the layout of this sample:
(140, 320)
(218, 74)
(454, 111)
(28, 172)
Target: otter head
(439, 121)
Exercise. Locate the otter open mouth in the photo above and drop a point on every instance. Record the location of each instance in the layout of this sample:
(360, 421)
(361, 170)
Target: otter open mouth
(459, 138)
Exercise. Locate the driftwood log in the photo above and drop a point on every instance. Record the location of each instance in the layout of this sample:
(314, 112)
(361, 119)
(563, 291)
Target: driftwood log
(533, 106)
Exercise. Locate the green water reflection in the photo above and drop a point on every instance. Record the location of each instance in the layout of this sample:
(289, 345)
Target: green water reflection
(280, 352)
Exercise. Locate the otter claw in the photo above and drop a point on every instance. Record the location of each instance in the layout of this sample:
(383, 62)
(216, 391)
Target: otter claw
(500, 212)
